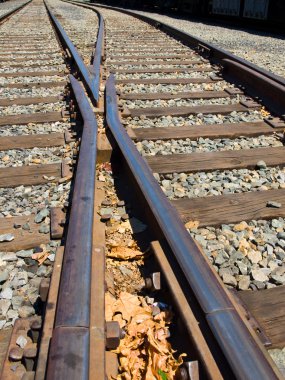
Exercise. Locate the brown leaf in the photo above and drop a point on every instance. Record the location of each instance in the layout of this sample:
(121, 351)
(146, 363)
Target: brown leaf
(109, 302)
(128, 305)
(192, 224)
(124, 253)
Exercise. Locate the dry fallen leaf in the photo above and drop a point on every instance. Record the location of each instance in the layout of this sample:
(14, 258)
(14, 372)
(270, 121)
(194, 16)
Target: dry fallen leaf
(192, 224)
(124, 253)
(41, 256)
(144, 352)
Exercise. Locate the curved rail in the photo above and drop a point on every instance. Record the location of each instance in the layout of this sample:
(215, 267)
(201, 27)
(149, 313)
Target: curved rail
(91, 81)
(257, 80)
(99, 51)
(71, 334)
(245, 355)
(13, 11)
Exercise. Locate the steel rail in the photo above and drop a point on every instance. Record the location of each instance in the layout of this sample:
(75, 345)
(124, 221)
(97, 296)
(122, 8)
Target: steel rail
(194, 41)
(13, 11)
(91, 82)
(99, 51)
(71, 334)
(98, 54)
(259, 82)
(247, 358)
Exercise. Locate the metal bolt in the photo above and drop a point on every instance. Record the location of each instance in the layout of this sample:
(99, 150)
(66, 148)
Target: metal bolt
(106, 203)
(15, 354)
(153, 282)
(113, 335)
(35, 330)
(125, 217)
(106, 217)
(181, 374)
(189, 371)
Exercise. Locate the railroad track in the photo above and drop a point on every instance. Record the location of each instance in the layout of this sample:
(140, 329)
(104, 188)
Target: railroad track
(210, 128)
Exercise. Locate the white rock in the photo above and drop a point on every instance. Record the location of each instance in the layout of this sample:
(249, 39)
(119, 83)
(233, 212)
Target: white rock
(6, 293)
(21, 341)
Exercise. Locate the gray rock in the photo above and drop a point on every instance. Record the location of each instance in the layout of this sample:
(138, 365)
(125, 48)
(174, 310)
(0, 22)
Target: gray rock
(269, 249)
(270, 286)
(2, 323)
(44, 229)
(12, 314)
(24, 253)
(261, 165)
(20, 279)
(4, 306)
(281, 235)
(280, 255)
(242, 267)
(9, 256)
(254, 256)
(277, 224)
(273, 204)
(244, 282)
(260, 285)
(42, 271)
(6, 293)
(26, 311)
(277, 279)
(259, 275)
(220, 259)
(17, 301)
(6, 237)
(41, 215)
(35, 282)
(223, 271)
(279, 358)
(228, 279)
(26, 227)
(3, 276)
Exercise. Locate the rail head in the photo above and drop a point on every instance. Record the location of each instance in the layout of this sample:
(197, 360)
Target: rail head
(252, 362)
(73, 307)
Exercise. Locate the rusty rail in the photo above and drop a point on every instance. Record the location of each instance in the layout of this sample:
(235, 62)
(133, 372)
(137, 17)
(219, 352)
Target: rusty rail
(99, 53)
(260, 82)
(92, 83)
(247, 359)
(13, 11)
(69, 350)
(99, 50)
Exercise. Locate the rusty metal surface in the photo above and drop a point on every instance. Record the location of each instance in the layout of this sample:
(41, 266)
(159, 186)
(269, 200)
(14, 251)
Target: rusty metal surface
(69, 347)
(66, 42)
(195, 42)
(247, 358)
(76, 277)
(68, 354)
(257, 84)
(99, 51)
